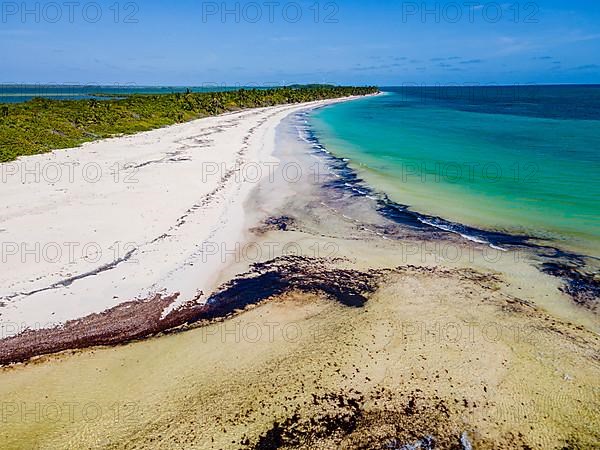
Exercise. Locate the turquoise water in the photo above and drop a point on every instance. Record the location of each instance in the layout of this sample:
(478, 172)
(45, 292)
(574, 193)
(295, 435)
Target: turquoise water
(516, 161)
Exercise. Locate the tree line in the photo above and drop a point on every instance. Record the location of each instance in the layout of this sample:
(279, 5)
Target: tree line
(41, 125)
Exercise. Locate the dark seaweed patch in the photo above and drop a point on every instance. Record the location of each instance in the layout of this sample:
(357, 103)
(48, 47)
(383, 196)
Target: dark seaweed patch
(281, 223)
(342, 420)
(584, 288)
(344, 412)
(289, 273)
(140, 319)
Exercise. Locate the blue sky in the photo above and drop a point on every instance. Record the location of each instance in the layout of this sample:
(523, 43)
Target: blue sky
(358, 42)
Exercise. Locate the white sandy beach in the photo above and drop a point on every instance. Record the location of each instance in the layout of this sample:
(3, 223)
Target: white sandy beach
(88, 228)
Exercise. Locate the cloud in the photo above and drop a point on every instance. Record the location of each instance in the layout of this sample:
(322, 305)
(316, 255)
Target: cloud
(580, 37)
(541, 57)
(361, 68)
(587, 67)
(510, 45)
(472, 61)
(449, 58)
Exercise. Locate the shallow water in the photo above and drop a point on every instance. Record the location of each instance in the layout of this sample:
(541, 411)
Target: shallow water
(518, 161)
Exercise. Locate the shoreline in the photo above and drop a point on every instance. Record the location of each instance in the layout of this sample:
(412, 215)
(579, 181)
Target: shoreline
(426, 186)
(161, 262)
(579, 281)
(181, 307)
(348, 330)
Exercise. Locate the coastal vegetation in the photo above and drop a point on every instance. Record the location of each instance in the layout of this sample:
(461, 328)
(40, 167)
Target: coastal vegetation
(41, 125)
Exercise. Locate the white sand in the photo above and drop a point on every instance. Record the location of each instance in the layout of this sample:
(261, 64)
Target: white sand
(82, 212)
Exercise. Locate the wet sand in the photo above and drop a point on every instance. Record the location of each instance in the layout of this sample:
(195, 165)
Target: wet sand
(305, 371)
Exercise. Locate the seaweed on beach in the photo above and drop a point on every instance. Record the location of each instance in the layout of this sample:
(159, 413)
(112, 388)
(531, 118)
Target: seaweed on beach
(123, 323)
(293, 273)
(342, 414)
(582, 287)
(344, 420)
(143, 318)
(280, 223)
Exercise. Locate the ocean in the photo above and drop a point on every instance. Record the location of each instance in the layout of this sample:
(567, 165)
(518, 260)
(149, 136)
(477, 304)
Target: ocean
(19, 93)
(519, 160)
